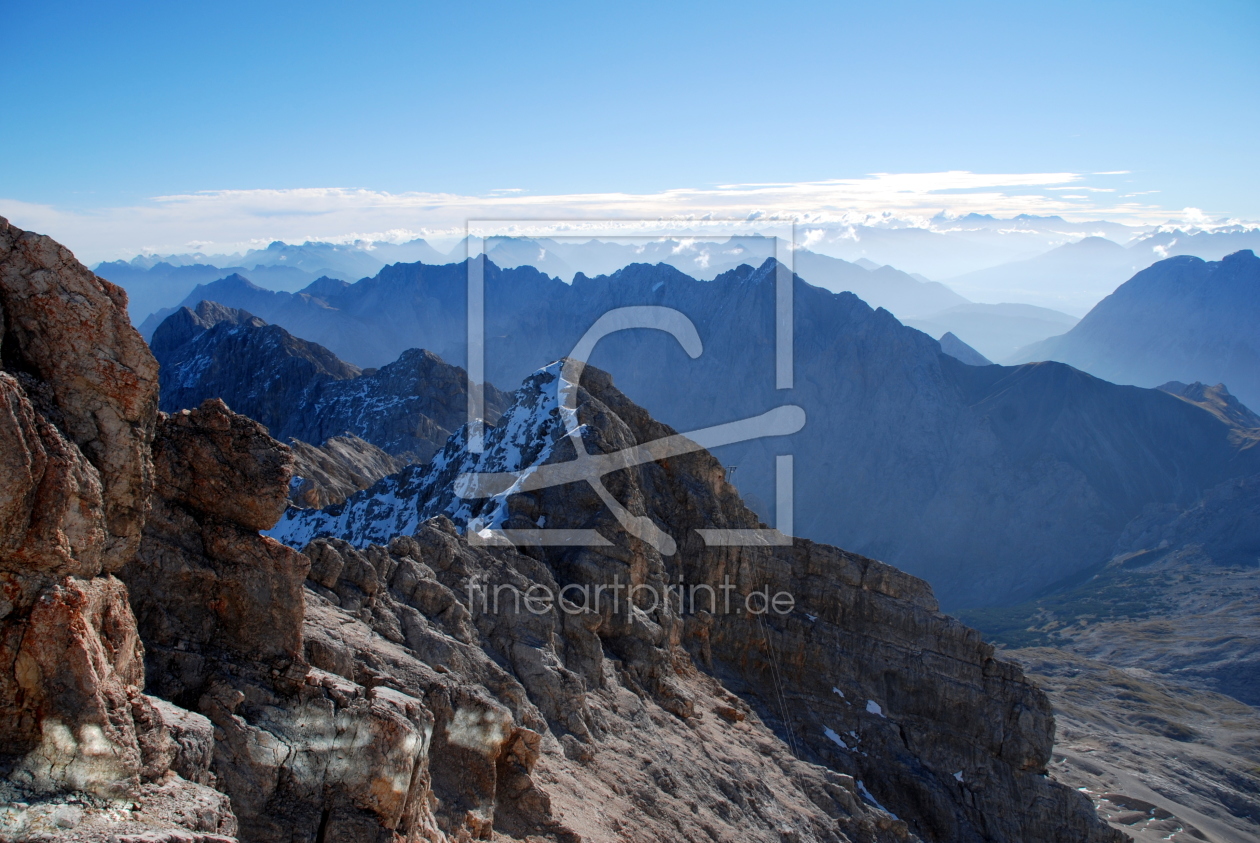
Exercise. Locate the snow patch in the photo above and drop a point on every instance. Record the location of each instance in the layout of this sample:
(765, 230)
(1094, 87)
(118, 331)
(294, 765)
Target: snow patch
(835, 738)
(866, 794)
(524, 438)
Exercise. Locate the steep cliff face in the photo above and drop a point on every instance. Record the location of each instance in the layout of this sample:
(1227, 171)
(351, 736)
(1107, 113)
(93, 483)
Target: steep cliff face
(78, 398)
(863, 676)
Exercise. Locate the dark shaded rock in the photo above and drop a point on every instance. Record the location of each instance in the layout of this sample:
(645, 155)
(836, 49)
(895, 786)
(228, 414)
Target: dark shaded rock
(206, 587)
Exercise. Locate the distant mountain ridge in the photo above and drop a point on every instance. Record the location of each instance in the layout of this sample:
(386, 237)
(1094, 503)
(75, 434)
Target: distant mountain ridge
(156, 287)
(156, 283)
(1071, 277)
(1182, 319)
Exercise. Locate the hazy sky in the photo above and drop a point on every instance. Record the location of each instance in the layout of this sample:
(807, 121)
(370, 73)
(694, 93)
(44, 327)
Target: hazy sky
(111, 105)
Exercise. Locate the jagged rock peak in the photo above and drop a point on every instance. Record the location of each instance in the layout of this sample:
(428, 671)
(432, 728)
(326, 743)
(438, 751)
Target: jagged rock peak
(530, 433)
(186, 324)
(301, 390)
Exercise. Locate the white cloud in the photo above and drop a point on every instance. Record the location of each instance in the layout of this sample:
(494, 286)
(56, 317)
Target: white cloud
(231, 220)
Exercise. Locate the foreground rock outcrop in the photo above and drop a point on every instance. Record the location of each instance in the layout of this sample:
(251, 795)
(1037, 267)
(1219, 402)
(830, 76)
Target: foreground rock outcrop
(78, 400)
(222, 610)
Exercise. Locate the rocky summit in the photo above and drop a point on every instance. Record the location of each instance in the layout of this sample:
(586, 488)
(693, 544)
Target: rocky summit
(169, 674)
(301, 390)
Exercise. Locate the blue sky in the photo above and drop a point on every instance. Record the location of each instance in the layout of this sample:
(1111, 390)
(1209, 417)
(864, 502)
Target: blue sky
(112, 104)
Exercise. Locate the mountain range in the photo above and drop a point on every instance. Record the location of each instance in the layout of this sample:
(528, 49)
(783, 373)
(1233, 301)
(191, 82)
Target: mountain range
(1072, 276)
(172, 675)
(1043, 261)
(950, 470)
(159, 285)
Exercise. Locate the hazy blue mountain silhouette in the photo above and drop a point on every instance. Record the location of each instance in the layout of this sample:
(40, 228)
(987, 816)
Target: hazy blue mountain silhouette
(959, 350)
(1181, 319)
(1071, 277)
(157, 286)
(995, 330)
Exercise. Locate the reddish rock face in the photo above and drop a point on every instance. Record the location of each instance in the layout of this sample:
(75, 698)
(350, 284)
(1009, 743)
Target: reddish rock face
(78, 396)
(210, 591)
(77, 667)
(78, 405)
(68, 330)
(213, 461)
(51, 510)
